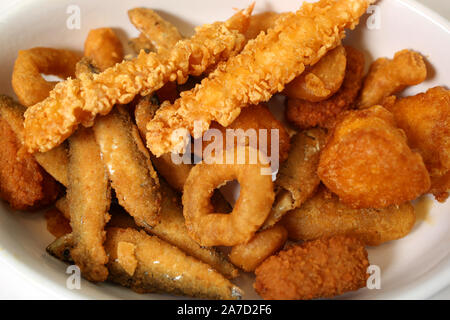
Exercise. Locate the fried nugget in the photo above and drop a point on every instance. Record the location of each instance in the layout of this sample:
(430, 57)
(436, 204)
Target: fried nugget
(317, 269)
(23, 183)
(262, 69)
(297, 179)
(305, 114)
(388, 76)
(147, 264)
(104, 47)
(88, 199)
(324, 216)
(425, 118)
(368, 164)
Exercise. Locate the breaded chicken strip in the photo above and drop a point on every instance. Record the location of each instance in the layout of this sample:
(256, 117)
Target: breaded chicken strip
(317, 269)
(325, 216)
(79, 101)
(262, 69)
(425, 118)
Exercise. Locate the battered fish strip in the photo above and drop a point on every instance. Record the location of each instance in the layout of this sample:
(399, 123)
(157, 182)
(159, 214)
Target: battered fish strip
(325, 216)
(297, 179)
(75, 101)
(54, 161)
(159, 31)
(263, 68)
(128, 163)
(148, 264)
(89, 197)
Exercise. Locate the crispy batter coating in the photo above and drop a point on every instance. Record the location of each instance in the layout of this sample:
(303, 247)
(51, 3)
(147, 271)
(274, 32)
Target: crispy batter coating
(23, 183)
(75, 101)
(297, 179)
(159, 31)
(261, 23)
(317, 269)
(251, 209)
(141, 43)
(425, 118)
(324, 216)
(88, 197)
(305, 114)
(128, 163)
(249, 255)
(160, 266)
(27, 81)
(388, 76)
(322, 80)
(265, 65)
(368, 163)
(54, 161)
(57, 224)
(103, 47)
(257, 118)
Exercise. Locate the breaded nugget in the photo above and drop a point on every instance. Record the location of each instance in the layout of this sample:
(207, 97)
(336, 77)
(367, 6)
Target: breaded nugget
(305, 114)
(317, 269)
(321, 80)
(88, 198)
(388, 76)
(262, 69)
(23, 183)
(104, 47)
(297, 179)
(129, 167)
(368, 164)
(425, 118)
(324, 216)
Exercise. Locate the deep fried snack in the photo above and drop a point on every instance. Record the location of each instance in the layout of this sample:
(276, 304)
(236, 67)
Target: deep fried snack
(263, 68)
(161, 33)
(103, 47)
(78, 101)
(297, 179)
(388, 76)
(261, 23)
(57, 224)
(27, 81)
(146, 264)
(141, 43)
(249, 255)
(53, 161)
(305, 114)
(175, 174)
(89, 198)
(317, 269)
(368, 163)
(425, 118)
(324, 216)
(23, 183)
(322, 80)
(132, 175)
(256, 118)
(250, 210)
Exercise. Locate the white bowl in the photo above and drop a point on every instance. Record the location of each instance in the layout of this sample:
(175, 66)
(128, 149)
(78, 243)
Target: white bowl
(417, 266)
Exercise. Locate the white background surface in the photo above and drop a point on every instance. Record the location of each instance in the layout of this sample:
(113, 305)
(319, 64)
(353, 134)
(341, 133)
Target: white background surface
(13, 286)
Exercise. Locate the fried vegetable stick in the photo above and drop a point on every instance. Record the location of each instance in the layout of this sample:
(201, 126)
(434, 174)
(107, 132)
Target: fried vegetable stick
(316, 269)
(146, 264)
(27, 81)
(388, 76)
(425, 118)
(325, 216)
(89, 197)
(297, 179)
(75, 101)
(263, 68)
(159, 31)
(103, 47)
(130, 170)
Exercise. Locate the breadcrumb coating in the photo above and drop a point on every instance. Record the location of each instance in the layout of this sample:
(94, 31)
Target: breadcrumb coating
(263, 68)
(78, 101)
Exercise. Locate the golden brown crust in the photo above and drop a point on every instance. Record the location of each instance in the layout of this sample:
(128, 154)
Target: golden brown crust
(368, 163)
(104, 48)
(317, 269)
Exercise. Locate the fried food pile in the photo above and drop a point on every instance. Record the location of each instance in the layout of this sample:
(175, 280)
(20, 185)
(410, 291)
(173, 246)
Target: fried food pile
(130, 154)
